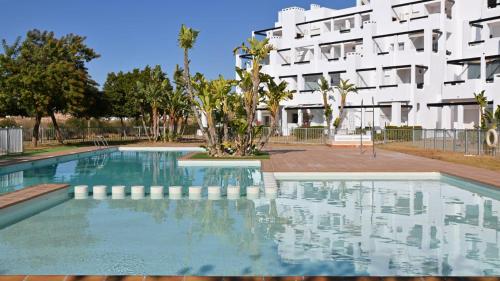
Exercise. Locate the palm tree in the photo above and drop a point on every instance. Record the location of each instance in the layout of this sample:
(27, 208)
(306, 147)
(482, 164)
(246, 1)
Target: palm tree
(186, 39)
(325, 89)
(154, 91)
(344, 88)
(275, 94)
(258, 50)
(482, 101)
(222, 89)
(208, 102)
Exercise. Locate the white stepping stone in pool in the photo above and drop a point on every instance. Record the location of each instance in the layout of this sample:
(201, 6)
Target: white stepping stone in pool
(156, 192)
(195, 192)
(137, 192)
(214, 193)
(118, 192)
(99, 192)
(253, 192)
(175, 192)
(233, 192)
(81, 192)
(271, 192)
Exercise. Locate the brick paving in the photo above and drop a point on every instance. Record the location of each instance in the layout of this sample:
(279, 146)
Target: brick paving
(289, 158)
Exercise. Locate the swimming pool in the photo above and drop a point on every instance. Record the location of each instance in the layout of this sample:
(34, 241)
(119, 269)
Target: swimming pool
(125, 168)
(358, 226)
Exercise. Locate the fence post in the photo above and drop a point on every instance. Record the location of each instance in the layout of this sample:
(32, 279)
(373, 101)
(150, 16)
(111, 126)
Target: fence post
(478, 141)
(466, 142)
(413, 135)
(435, 136)
(444, 140)
(454, 139)
(385, 135)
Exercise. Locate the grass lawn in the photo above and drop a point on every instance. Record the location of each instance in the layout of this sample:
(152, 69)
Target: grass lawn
(485, 162)
(205, 156)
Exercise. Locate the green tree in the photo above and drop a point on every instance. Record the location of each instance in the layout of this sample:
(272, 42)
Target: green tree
(206, 102)
(345, 88)
(273, 96)
(258, 50)
(45, 75)
(186, 39)
(482, 102)
(326, 89)
(154, 92)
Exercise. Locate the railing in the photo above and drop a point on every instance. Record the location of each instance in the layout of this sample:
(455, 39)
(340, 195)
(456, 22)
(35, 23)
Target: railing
(468, 142)
(11, 140)
(298, 136)
(74, 135)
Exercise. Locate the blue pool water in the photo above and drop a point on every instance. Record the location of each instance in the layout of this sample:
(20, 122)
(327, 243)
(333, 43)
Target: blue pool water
(129, 168)
(315, 227)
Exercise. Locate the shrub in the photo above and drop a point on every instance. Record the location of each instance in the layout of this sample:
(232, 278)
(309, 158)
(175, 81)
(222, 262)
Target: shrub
(8, 122)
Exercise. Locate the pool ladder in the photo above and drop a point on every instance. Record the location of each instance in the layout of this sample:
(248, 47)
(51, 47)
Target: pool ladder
(100, 141)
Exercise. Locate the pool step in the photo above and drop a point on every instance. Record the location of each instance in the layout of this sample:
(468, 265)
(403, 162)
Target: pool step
(119, 192)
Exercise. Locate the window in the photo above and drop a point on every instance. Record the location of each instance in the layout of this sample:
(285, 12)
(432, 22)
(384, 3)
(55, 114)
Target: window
(295, 118)
(335, 79)
(473, 71)
(401, 46)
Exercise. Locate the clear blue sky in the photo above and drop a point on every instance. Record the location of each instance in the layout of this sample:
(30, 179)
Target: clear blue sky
(135, 33)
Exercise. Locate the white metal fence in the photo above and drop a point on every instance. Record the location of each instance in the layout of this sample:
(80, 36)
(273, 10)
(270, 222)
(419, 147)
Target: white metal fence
(11, 140)
(299, 136)
(468, 142)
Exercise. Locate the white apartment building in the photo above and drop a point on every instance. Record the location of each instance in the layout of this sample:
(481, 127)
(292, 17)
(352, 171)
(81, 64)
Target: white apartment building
(419, 61)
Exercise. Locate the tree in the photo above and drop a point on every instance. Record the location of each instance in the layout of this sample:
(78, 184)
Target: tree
(344, 88)
(273, 97)
(45, 75)
(207, 102)
(258, 50)
(154, 92)
(482, 101)
(325, 89)
(186, 39)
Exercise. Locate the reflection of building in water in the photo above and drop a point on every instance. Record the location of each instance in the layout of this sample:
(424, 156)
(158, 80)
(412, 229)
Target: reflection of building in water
(9, 182)
(390, 227)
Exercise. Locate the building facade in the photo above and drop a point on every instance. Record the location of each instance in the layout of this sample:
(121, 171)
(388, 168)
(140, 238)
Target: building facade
(415, 63)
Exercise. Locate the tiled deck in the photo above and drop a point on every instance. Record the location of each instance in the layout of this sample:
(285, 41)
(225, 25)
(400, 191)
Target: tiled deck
(21, 159)
(327, 159)
(19, 196)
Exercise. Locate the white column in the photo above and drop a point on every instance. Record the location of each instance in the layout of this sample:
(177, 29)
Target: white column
(396, 114)
(460, 117)
(301, 117)
(446, 117)
(284, 121)
(483, 71)
(412, 118)
(259, 116)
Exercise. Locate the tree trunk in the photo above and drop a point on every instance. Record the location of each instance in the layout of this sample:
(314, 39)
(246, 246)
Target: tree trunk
(328, 114)
(59, 136)
(155, 123)
(144, 125)
(36, 130)
(165, 136)
(122, 124)
(171, 129)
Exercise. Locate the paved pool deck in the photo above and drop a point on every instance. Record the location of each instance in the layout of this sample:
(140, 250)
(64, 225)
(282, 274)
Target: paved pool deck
(291, 158)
